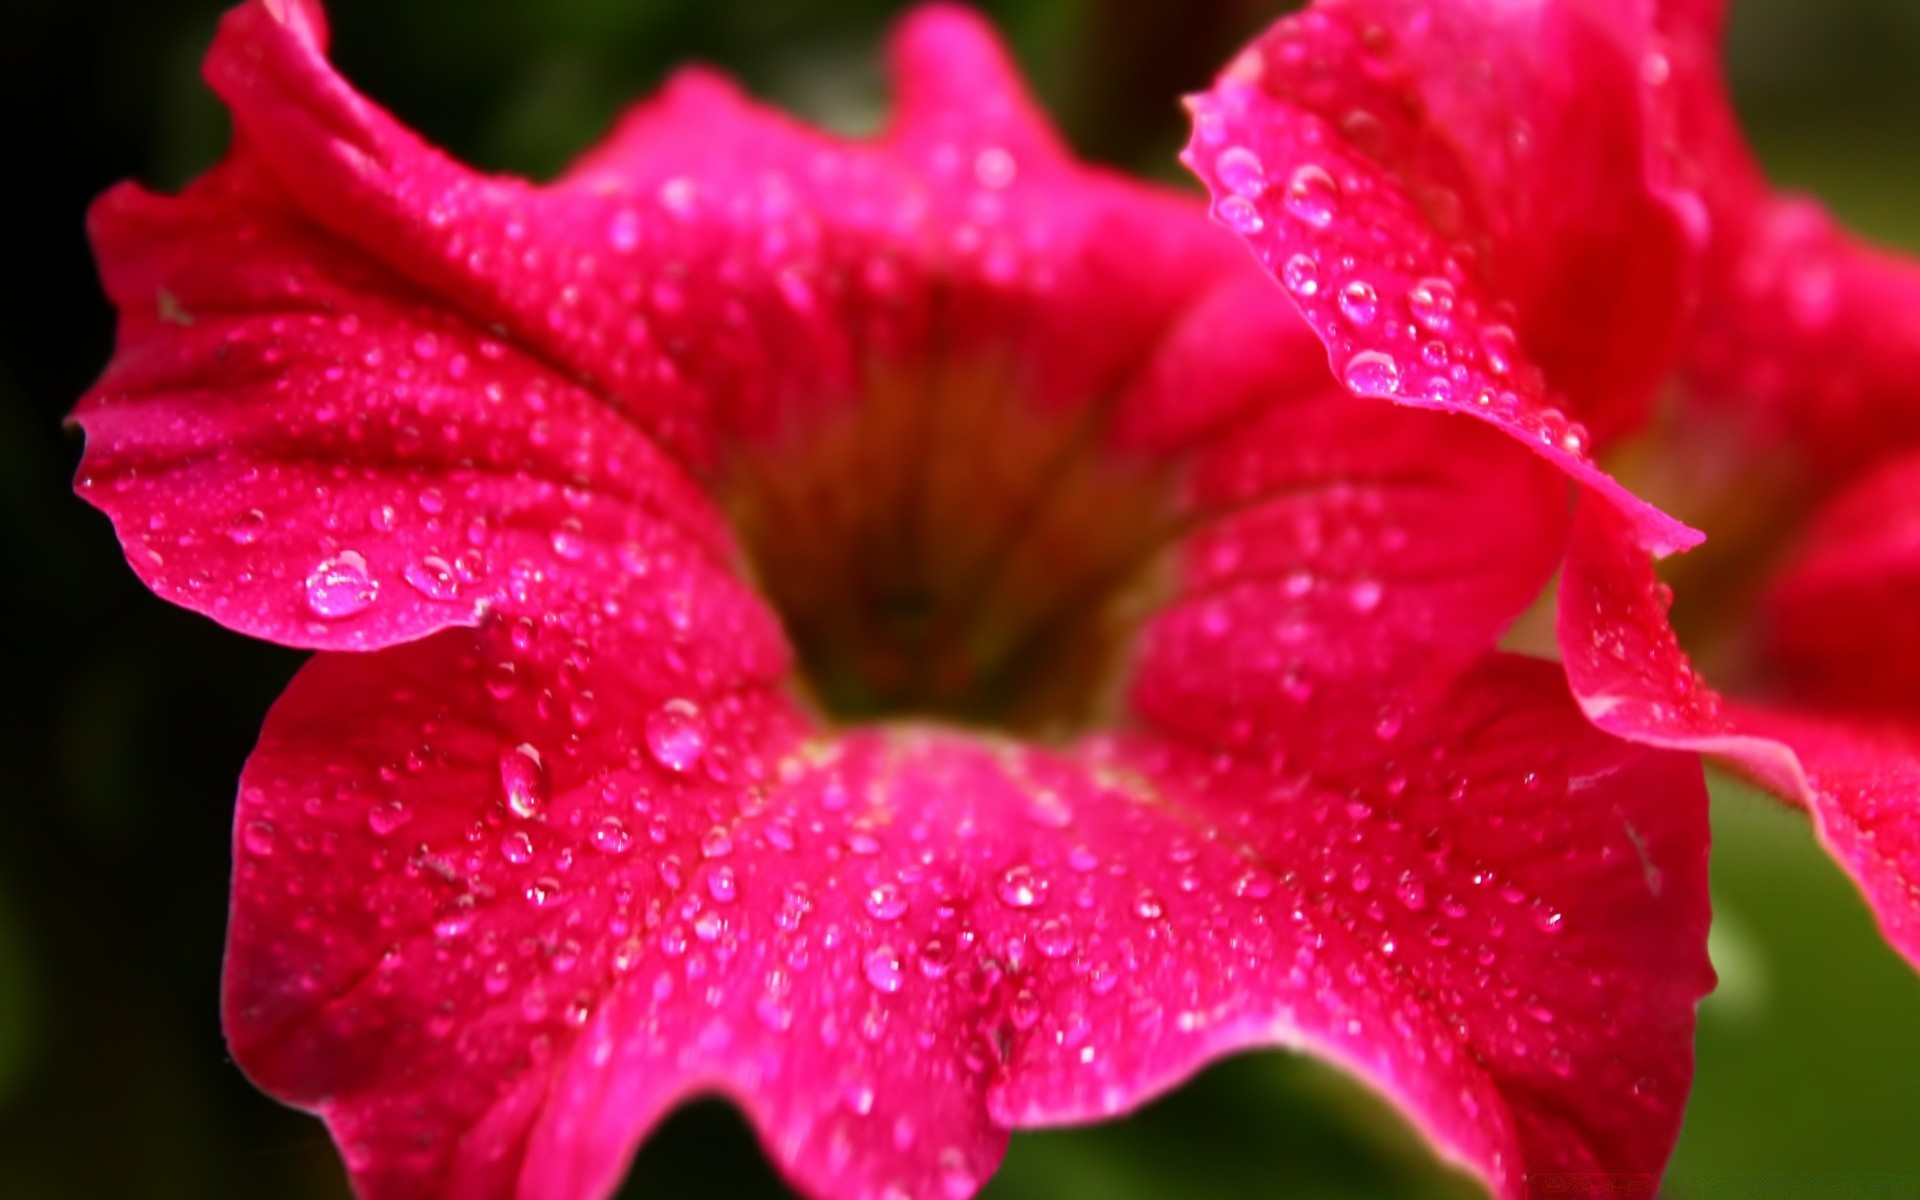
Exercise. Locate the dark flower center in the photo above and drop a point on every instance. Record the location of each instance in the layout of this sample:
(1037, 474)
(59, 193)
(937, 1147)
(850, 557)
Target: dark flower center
(947, 548)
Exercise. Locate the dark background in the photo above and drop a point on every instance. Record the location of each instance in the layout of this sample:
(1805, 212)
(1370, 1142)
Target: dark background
(128, 719)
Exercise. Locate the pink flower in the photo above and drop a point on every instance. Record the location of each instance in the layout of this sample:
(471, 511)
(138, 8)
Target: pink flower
(905, 634)
(1548, 211)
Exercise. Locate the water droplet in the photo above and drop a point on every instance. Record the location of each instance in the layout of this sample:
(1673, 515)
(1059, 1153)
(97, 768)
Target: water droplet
(716, 842)
(1359, 303)
(885, 903)
(1313, 196)
(383, 819)
(517, 848)
(610, 836)
(1147, 905)
(1364, 595)
(623, 231)
(883, 969)
(257, 837)
(957, 1180)
(1373, 373)
(1501, 346)
(1019, 887)
(1053, 939)
(994, 168)
(721, 885)
(247, 527)
(568, 539)
(1239, 215)
(523, 776)
(433, 577)
(1301, 275)
(677, 735)
(1431, 302)
(1412, 893)
(340, 587)
(1241, 170)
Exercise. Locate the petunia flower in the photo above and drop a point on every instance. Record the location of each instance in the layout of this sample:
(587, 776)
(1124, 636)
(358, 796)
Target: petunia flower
(1548, 212)
(906, 634)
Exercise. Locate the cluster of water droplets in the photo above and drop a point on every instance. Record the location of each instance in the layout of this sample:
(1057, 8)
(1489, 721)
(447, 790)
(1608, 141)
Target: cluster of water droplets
(1397, 306)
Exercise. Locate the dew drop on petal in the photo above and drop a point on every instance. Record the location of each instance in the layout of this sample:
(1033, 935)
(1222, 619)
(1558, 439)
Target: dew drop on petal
(246, 527)
(517, 848)
(623, 231)
(1147, 905)
(1358, 302)
(1431, 302)
(1373, 373)
(1241, 170)
(884, 902)
(383, 819)
(1501, 346)
(1301, 275)
(677, 735)
(257, 837)
(610, 836)
(433, 577)
(523, 778)
(1019, 887)
(883, 969)
(340, 587)
(1239, 215)
(1312, 195)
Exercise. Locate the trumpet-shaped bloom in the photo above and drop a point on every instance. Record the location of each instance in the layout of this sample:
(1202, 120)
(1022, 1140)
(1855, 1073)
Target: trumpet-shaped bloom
(1538, 212)
(904, 634)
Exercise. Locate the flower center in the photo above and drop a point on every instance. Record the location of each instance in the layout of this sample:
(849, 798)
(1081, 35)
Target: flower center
(946, 547)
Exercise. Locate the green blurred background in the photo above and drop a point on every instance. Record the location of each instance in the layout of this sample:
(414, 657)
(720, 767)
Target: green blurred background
(130, 718)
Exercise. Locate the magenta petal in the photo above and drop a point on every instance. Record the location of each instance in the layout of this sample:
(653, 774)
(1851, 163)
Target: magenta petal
(1843, 616)
(1805, 334)
(719, 270)
(1856, 775)
(1348, 555)
(493, 943)
(294, 442)
(1444, 275)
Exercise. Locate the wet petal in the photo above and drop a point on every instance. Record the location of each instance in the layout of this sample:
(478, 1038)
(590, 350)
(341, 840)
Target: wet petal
(1805, 334)
(1843, 615)
(891, 948)
(295, 442)
(1854, 773)
(720, 270)
(1404, 172)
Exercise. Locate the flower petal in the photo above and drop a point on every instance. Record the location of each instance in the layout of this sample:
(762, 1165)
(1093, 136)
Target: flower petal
(295, 442)
(1857, 776)
(720, 270)
(891, 948)
(1809, 335)
(1403, 170)
(1338, 553)
(1843, 617)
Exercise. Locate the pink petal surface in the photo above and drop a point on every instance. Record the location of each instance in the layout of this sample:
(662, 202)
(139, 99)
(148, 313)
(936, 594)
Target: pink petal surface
(1343, 553)
(1426, 227)
(1856, 775)
(892, 946)
(1808, 333)
(300, 445)
(719, 269)
(1843, 615)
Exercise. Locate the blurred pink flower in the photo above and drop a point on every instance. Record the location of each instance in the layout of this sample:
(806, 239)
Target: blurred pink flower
(611, 506)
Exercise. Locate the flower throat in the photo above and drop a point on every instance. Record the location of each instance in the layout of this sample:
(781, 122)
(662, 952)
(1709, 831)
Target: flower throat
(946, 548)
